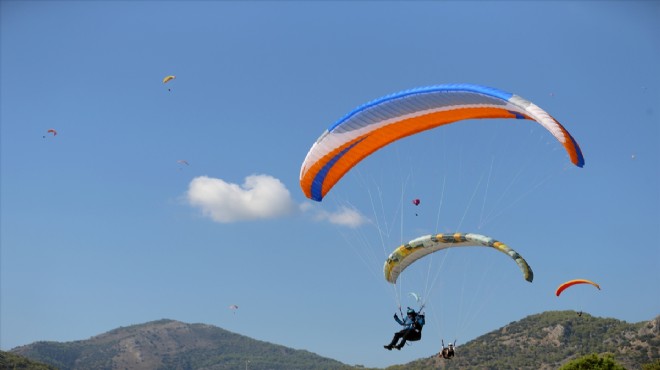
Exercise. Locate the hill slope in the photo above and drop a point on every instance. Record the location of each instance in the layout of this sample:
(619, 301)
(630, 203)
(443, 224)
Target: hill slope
(550, 339)
(168, 344)
(542, 341)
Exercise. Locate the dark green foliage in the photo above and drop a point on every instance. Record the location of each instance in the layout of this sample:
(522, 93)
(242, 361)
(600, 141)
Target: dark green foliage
(593, 362)
(65, 355)
(10, 361)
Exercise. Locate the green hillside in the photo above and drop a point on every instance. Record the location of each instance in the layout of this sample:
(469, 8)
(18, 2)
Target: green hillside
(551, 339)
(543, 341)
(168, 344)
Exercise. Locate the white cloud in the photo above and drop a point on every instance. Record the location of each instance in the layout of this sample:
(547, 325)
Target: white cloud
(345, 216)
(260, 197)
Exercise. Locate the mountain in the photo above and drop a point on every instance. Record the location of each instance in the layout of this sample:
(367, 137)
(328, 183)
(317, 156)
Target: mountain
(168, 344)
(543, 341)
(549, 340)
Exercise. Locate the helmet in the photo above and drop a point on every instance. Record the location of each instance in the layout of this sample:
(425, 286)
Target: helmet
(411, 311)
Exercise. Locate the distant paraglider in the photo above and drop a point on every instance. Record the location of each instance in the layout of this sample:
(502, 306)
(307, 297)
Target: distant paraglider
(51, 131)
(182, 163)
(570, 283)
(233, 307)
(448, 352)
(168, 79)
(416, 203)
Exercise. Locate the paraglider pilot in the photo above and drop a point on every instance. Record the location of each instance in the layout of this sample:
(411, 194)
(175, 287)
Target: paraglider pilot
(412, 329)
(447, 352)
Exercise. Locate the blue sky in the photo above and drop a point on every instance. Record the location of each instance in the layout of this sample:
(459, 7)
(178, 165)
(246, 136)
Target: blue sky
(101, 227)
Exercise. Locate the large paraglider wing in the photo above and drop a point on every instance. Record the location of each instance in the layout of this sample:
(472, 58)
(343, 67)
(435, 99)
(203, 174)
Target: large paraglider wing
(570, 283)
(52, 131)
(382, 121)
(406, 254)
(168, 79)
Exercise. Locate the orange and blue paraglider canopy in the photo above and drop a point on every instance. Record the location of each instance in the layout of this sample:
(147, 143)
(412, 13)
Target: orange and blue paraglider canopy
(378, 123)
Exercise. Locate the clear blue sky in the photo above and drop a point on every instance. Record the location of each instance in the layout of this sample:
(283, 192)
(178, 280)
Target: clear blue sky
(101, 227)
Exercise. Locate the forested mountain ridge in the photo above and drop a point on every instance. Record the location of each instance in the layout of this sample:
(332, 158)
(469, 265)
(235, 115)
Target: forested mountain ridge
(169, 344)
(542, 341)
(549, 340)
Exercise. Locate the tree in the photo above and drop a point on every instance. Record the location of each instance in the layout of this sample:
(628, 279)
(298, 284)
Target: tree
(593, 362)
(9, 360)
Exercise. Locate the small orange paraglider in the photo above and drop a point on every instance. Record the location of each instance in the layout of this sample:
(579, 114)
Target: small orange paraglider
(570, 283)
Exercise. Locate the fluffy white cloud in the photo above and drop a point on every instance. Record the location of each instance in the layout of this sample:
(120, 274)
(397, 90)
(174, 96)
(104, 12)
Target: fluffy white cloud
(260, 197)
(344, 216)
